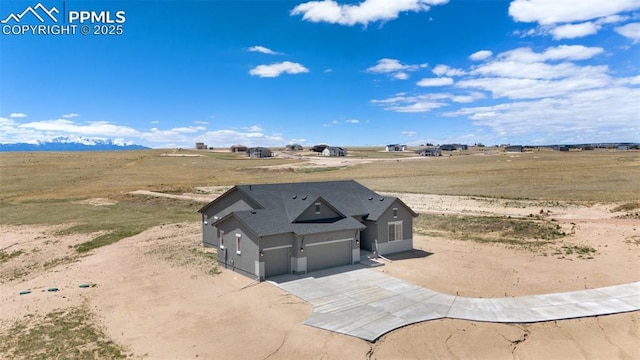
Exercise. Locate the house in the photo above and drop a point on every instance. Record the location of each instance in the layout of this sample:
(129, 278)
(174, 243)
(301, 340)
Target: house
(396, 147)
(514, 148)
(274, 229)
(334, 151)
(429, 151)
(294, 147)
(201, 146)
(238, 148)
(319, 148)
(453, 147)
(258, 152)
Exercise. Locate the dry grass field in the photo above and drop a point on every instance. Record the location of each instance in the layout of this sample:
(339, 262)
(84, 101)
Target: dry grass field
(490, 224)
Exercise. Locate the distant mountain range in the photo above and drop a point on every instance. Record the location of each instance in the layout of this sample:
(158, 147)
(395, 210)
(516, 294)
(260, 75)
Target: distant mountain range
(71, 143)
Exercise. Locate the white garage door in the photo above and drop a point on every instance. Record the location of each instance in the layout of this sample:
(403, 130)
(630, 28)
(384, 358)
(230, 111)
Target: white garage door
(327, 255)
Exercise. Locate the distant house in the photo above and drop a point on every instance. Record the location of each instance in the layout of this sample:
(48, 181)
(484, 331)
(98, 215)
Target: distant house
(334, 151)
(238, 148)
(319, 148)
(429, 151)
(294, 147)
(453, 147)
(258, 152)
(274, 229)
(201, 146)
(514, 148)
(622, 147)
(396, 147)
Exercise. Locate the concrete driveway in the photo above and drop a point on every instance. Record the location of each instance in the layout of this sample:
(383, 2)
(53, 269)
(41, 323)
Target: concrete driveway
(367, 304)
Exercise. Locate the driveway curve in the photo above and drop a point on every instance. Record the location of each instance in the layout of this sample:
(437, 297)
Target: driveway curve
(367, 304)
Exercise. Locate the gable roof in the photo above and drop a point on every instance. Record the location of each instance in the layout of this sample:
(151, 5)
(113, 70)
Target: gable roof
(279, 205)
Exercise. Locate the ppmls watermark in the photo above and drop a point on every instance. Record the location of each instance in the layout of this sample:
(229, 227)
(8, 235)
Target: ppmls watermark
(41, 20)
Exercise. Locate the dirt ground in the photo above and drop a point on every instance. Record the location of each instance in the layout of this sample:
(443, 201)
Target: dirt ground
(155, 293)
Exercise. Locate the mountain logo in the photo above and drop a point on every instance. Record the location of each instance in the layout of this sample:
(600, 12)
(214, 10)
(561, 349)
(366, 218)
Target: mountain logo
(37, 11)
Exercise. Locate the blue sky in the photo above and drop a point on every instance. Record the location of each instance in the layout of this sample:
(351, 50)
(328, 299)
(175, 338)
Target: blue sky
(349, 73)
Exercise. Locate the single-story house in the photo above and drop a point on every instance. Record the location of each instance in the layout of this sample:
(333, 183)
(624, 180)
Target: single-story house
(429, 151)
(453, 147)
(294, 147)
(334, 151)
(258, 152)
(514, 148)
(274, 229)
(201, 146)
(238, 148)
(319, 148)
(396, 147)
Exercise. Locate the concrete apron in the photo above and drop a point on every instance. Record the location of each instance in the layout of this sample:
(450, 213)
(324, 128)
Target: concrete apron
(367, 304)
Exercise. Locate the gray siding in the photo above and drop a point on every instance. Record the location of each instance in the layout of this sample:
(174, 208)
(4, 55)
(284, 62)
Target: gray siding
(325, 212)
(233, 201)
(249, 249)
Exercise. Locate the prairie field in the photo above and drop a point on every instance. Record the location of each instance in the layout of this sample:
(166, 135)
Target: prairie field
(125, 225)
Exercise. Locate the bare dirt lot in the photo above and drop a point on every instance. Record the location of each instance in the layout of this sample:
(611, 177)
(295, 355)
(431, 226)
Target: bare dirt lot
(157, 294)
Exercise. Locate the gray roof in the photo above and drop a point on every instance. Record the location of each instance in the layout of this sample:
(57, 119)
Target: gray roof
(281, 204)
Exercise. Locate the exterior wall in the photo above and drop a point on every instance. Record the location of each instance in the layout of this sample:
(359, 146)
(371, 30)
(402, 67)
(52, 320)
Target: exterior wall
(376, 236)
(369, 235)
(309, 214)
(233, 201)
(241, 259)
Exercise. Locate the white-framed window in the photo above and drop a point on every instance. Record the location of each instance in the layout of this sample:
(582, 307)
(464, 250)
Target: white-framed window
(238, 239)
(395, 213)
(318, 207)
(221, 239)
(395, 231)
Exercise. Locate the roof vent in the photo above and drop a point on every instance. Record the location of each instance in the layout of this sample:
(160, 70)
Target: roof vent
(294, 196)
(370, 197)
(381, 199)
(304, 198)
(253, 211)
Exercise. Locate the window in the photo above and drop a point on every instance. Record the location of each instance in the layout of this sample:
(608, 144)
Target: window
(238, 237)
(395, 231)
(395, 213)
(318, 208)
(221, 239)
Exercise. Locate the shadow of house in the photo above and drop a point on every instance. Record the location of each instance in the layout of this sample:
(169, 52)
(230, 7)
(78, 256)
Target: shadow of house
(334, 151)
(238, 148)
(275, 229)
(258, 152)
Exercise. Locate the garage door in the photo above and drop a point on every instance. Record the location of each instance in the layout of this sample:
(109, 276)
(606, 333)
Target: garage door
(277, 261)
(322, 256)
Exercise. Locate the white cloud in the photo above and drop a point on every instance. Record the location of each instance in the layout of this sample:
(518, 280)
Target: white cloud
(442, 81)
(253, 128)
(367, 11)
(425, 102)
(394, 67)
(277, 69)
(409, 133)
(480, 55)
(327, 71)
(352, 121)
(91, 128)
(631, 31)
(586, 114)
(17, 115)
(70, 115)
(446, 70)
(546, 12)
(264, 50)
(202, 122)
(401, 76)
(572, 31)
